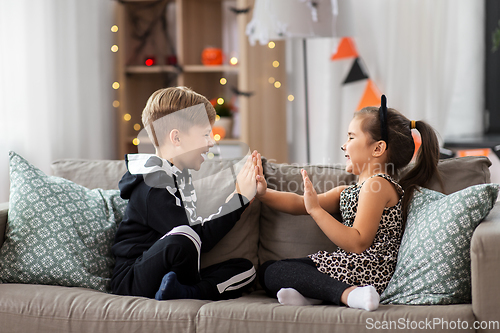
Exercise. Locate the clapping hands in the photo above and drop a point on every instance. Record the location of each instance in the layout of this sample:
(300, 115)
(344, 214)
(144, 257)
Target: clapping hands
(250, 180)
(259, 174)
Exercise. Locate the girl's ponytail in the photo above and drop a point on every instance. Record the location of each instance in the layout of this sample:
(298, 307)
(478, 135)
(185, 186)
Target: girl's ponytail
(425, 165)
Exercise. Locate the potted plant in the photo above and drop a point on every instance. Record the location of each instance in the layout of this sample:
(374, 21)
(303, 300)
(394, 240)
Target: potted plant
(224, 117)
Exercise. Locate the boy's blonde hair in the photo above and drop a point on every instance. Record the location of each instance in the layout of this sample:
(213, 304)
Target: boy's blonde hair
(169, 102)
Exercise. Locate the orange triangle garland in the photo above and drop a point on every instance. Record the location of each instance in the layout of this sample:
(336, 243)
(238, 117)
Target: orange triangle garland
(346, 49)
(371, 96)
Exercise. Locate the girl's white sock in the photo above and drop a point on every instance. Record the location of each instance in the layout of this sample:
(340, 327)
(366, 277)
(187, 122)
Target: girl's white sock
(365, 298)
(290, 296)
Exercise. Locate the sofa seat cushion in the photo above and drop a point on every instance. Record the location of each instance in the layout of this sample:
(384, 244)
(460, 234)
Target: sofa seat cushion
(259, 313)
(287, 236)
(37, 308)
(460, 172)
(103, 174)
(214, 182)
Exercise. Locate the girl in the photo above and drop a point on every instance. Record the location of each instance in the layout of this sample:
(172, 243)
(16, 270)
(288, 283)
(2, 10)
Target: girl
(379, 145)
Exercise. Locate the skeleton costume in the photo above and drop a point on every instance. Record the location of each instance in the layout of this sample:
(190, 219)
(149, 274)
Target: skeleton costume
(161, 232)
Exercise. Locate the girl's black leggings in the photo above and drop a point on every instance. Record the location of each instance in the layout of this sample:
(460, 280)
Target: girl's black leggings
(302, 275)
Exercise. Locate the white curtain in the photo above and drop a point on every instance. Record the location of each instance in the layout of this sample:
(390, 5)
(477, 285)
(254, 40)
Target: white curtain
(427, 56)
(55, 82)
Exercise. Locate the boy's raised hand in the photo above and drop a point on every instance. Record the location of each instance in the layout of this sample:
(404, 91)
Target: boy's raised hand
(259, 174)
(246, 184)
(311, 201)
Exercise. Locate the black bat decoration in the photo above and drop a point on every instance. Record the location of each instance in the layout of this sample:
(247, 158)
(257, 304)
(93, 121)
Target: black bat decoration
(241, 93)
(240, 11)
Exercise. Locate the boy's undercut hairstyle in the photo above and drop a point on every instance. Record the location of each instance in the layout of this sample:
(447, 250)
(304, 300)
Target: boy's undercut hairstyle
(184, 107)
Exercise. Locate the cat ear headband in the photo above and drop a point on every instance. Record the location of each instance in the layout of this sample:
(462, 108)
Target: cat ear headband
(383, 119)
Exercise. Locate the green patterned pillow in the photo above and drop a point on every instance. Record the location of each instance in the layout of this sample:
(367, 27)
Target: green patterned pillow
(434, 258)
(58, 232)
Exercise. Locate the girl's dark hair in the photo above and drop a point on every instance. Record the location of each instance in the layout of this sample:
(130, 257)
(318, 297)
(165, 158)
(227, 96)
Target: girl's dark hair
(401, 148)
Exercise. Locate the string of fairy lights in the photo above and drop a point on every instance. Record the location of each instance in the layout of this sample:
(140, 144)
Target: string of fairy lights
(223, 81)
(276, 64)
(116, 85)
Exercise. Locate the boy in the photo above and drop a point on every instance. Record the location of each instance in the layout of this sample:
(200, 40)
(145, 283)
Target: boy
(158, 243)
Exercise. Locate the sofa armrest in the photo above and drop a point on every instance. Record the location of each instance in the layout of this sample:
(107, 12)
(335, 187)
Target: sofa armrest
(485, 268)
(4, 209)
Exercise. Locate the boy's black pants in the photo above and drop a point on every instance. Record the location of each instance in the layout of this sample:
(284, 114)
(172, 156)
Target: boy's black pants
(179, 253)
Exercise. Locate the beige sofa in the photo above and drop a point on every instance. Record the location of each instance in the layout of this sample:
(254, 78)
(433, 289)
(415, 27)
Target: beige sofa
(260, 235)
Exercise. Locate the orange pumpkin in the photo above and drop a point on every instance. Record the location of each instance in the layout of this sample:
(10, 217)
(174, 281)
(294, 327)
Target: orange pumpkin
(212, 56)
(218, 132)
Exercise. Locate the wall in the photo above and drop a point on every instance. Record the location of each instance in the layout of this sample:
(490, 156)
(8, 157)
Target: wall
(426, 56)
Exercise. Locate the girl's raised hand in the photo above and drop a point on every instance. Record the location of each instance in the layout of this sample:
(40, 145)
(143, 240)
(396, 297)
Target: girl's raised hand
(311, 201)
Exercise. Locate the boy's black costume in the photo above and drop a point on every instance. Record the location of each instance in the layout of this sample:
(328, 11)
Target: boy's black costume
(160, 233)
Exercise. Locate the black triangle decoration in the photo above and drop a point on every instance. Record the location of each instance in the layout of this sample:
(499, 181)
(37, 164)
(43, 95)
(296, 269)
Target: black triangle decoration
(357, 72)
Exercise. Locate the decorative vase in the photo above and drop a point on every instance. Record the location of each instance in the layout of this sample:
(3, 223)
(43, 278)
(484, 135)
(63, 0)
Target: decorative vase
(227, 124)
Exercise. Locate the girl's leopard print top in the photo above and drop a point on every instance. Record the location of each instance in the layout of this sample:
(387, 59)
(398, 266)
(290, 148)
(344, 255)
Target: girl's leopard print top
(375, 265)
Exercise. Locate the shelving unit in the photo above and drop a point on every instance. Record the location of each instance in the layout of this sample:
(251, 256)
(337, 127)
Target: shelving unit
(199, 24)
(150, 69)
